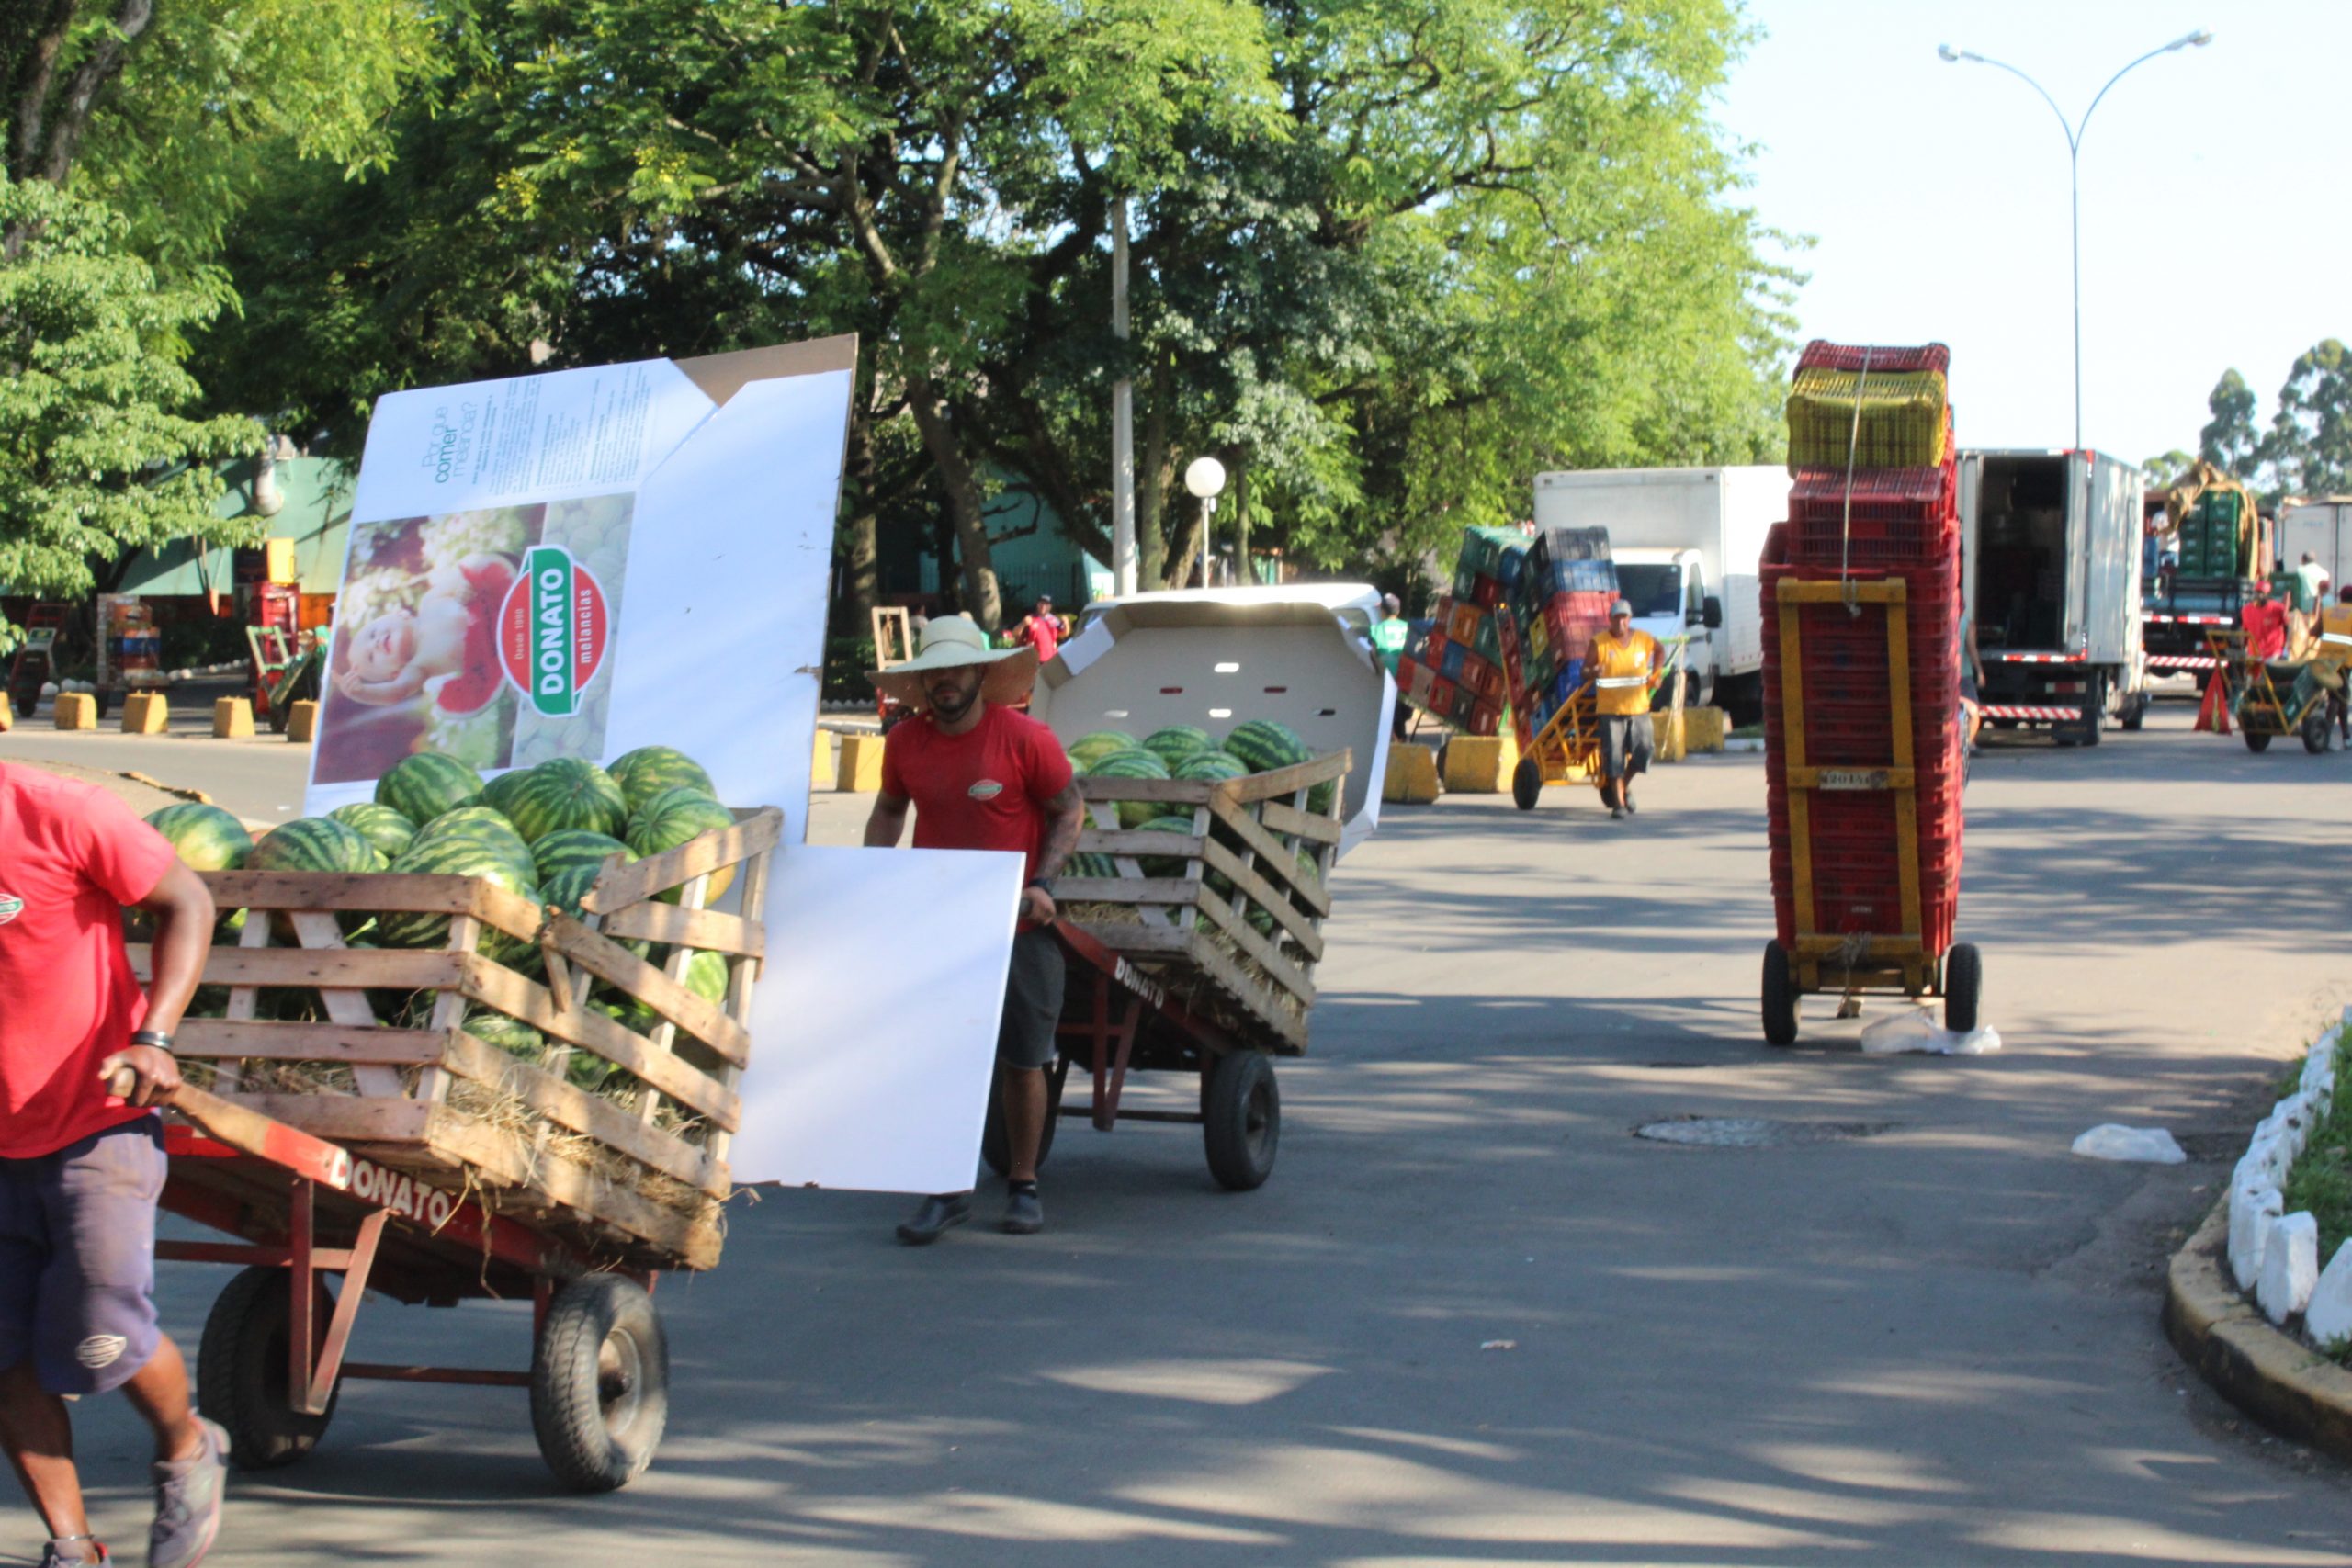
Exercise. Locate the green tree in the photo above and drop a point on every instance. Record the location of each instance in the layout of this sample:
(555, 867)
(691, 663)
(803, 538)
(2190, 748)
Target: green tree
(2310, 445)
(95, 458)
(2231, 440)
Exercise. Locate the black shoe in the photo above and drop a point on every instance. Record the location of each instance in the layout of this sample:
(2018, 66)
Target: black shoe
(1023, 1214)
(938, 1217)
(1616, 812)
(1629, 806)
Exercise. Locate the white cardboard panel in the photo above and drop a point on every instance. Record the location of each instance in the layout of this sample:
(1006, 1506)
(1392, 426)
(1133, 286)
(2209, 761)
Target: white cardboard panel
(875, 1021)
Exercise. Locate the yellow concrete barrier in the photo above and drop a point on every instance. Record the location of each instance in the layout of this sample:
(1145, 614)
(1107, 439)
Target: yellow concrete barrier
(301, 721)
(860, 769)
(821, 766)
(146, 713)
(76, 710)
(233, 718)
(1412, 774)
(1479, 764)
(1703, 729)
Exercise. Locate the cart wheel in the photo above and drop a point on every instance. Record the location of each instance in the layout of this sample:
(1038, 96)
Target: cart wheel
(241, 1372)
(1242, 1120)
(1963, 982)
(995, 1144)
(279, 715)
(1527, 783)
(2314, 729)
(1780, 996)
(2255, 740)
(600, 1383)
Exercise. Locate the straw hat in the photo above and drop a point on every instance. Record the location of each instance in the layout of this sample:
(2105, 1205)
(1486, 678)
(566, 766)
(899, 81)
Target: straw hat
(949, 642)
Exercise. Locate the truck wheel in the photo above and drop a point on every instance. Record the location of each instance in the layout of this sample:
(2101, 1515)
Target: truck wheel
(2135, 714)
(2094, 710)
(2314, 729)
(1242, 1120)
(600, 1383)
(1780, 996)
(1527, 783)
(241, 1379)
(1964, 983)
(995, 1142)
(2256, 741)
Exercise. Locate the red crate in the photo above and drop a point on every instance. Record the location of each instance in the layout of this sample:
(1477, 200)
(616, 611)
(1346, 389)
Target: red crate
(1484, 592)
(1823, 354)
(1486, 718)
(1507, 636)
(1897, 517)
(1440, 698)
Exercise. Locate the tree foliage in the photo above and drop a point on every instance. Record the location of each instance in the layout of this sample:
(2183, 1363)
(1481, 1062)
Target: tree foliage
(2306, 449)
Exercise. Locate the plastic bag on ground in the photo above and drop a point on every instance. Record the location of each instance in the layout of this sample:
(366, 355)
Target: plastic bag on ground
(2152, 1145)
(1916, 1029)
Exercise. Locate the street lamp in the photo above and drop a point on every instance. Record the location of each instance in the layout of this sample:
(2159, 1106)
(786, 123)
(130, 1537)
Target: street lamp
(2199, 38)
(1205, 477)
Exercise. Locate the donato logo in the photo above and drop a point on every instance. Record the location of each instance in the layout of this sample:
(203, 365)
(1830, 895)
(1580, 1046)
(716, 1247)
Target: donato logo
(10, 907)
(553, 630)
(986, 789)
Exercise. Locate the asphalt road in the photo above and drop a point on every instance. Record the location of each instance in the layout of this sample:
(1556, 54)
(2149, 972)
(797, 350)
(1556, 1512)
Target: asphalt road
(1472, 1320)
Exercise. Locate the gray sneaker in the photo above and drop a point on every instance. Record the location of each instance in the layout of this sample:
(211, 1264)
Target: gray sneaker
(188, 1503)
(1023, 1214)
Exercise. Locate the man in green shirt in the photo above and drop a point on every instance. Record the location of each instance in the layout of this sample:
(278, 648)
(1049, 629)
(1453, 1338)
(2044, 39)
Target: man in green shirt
(1388, 641)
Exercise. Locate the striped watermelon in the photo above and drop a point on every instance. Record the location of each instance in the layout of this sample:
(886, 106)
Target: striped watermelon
(1138, 763)
(648, 770)
(1166, 866)
(314, 843)
(706, 976)
(566, 886)
(495, 855)
(207, 838)
(380, 824)
(426, 785)
(1265, 744)
(1089, 749)
(676, 817)
(466, 819)
(498, 792)
(1212, 767)
(512, 1035)
(1092, 864)
(564, 792)
(1172, 744)
(568, 847)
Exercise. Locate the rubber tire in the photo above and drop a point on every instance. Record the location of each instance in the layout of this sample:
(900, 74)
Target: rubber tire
(994, 1146)
(2256, 743)
(1963, 987)
(1242, 1120)
(1526, 784)
(2094, 710)
(240, 1373)
(1780, 996)
(2004, 723)
(567, 1389)
(2135, 714)
(2317, 729)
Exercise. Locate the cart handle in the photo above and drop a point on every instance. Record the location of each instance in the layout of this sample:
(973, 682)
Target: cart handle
(251, 1133)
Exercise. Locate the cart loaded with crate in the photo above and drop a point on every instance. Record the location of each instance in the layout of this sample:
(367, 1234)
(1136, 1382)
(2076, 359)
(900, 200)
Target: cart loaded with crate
(1863, 760)
(440, 1089)
(1194, 911)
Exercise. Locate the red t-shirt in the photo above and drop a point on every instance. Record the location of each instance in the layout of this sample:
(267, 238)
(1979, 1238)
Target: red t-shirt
(985, 789)
(1044, 633)
(2266, 628)
(70, 857)
(480, 681)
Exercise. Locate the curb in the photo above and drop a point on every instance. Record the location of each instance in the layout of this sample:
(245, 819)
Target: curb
(2286, 1384)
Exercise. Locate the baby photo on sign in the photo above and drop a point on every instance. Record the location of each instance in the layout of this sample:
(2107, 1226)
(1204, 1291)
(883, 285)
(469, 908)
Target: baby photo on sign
(480, 634)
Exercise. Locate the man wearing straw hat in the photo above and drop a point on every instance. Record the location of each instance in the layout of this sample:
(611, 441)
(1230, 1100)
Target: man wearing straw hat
(981, 775)
(1622, 665)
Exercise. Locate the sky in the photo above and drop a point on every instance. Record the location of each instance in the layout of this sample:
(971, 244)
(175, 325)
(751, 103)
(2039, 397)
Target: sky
(2215, 228)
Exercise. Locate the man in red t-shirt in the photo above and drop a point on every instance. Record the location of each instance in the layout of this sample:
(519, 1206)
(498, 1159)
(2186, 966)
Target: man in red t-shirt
(1042, 630)
(981, 776)
(81, 1168)
(2264, 620)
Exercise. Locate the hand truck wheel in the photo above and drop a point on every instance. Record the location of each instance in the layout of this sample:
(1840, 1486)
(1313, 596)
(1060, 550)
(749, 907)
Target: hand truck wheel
(600, 1382)
(241, 1377)
(1963, 985)
(2256, 741)
(1780, 996)
(1242, 1120)
(1527, 783)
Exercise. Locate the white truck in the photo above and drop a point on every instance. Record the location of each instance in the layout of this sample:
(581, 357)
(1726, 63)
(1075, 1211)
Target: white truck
(1686, 542)
(2050, 546)
(2322, 528)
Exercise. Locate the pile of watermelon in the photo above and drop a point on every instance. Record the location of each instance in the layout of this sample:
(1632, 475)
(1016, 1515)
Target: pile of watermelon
(1186, 752)
(542, 833)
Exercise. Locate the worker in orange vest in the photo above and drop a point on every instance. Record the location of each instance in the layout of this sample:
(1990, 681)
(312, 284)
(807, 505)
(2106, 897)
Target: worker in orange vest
(1622, 667)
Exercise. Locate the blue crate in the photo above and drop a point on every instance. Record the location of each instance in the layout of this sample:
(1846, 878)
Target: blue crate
(1449, 663)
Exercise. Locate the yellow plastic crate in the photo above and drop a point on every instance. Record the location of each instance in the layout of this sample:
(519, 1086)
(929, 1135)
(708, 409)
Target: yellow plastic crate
(1905, 418)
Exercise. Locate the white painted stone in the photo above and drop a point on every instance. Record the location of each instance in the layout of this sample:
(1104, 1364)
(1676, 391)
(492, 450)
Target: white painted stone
(2320, 1063)
(2293, 1115)
(2289, 1266)
(2268, 1157)
(2251, 1211)
(2152, 1145)
(2328, 1316)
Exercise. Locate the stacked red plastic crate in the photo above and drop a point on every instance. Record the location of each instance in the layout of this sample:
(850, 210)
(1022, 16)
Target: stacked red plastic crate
(1867, 525)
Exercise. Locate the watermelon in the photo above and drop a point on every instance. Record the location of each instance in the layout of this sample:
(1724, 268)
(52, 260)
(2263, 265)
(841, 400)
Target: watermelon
(1176, 742)
(1136, 764)
(207, 838)
(673, 817)
(426, 785)
(706, 976)
(575, 846)
(380, 824)
(650, 769)
(314, 843)
(1166, 866)
(1211, 767)
(495, 855)
(1265, 744)
(467, 820)
(1089, 749)
(512, 1035)
(564, 792)
(499, 792)
(1092, 864)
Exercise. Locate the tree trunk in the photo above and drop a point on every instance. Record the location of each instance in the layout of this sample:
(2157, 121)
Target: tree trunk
(1151, 481)
(1242, 574)
(975, 571)
(861, 553)
(44, 118)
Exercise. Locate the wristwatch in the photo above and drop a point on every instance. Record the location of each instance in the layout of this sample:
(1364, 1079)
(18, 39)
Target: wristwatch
(155, 1037)
(1042, 884)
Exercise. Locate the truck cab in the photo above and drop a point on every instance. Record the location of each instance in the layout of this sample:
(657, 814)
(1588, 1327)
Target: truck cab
(1671, 598)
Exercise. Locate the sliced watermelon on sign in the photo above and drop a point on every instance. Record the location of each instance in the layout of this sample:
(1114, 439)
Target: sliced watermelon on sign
(426, 785)
(561, 793)
(207, 838)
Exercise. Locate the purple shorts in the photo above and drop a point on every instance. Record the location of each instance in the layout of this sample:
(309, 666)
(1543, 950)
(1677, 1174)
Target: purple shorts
(77, 1258)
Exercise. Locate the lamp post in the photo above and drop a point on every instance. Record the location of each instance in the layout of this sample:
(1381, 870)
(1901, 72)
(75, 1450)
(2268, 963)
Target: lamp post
(1205, 477)
(2199, 38)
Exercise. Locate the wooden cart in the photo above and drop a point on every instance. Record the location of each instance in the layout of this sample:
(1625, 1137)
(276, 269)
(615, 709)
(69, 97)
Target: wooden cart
(422, 1162)
(1168, 972)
